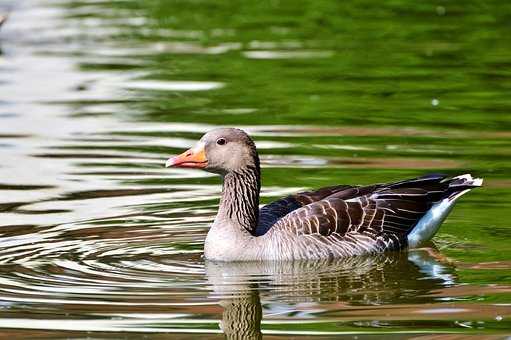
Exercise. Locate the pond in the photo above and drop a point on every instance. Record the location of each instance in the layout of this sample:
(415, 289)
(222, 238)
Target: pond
(99, 240)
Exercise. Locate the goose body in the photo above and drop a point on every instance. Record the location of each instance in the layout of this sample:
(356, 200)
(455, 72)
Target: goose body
(331, 222)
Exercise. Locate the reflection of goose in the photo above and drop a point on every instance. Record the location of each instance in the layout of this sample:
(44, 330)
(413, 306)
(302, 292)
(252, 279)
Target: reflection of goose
(383, 279)
(242, 316)
(331, 222)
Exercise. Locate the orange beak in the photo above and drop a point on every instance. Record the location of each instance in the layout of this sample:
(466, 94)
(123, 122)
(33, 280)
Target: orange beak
(193, 158)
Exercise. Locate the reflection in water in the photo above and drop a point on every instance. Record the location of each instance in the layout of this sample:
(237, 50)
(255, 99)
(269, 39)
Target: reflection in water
(242, 315)
(376, 280)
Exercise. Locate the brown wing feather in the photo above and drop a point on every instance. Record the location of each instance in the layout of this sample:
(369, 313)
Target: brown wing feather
(308, 197)
(364, 219)
(333, 215)
(271, 213)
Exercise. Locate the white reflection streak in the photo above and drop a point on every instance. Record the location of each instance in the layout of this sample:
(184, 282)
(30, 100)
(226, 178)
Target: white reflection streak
(304, 54)
(174, 85)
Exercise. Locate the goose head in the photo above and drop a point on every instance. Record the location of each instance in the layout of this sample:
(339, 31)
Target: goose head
(219, 151)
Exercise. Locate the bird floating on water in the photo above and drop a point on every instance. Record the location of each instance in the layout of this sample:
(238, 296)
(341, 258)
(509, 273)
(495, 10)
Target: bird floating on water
(332, 222)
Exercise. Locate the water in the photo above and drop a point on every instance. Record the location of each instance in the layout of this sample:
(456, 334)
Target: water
(98, 240)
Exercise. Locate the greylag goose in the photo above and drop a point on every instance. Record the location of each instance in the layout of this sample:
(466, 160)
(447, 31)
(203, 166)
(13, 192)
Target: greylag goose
(332, 222)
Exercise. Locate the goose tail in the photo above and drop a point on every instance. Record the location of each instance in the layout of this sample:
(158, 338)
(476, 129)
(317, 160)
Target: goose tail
(462, 184)
(429, 224)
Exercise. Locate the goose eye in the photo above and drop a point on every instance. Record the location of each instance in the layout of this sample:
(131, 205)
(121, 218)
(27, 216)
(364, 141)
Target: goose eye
(221, 141)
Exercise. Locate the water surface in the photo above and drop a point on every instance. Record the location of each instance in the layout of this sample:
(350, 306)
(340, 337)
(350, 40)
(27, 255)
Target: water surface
(98, 240)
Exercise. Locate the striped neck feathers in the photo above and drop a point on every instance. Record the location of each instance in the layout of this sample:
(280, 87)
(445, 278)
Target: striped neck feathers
(240, 197)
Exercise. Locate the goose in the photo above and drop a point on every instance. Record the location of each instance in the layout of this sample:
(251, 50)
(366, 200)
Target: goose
(331, 222)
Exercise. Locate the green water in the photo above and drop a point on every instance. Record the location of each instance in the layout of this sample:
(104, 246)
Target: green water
(99, 240)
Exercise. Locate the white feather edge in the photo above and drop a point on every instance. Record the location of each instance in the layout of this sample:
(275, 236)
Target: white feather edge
(474, 181)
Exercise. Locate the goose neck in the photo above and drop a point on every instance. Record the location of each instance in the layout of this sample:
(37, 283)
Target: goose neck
(240, 198)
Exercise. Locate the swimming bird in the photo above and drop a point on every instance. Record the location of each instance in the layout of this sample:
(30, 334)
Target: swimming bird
(331, 222)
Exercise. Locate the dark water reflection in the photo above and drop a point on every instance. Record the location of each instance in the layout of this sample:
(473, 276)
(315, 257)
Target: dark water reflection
(132, 291)
(98, 240)
(339, 291)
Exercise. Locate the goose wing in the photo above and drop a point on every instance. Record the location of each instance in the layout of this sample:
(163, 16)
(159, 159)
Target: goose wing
(361, 220)
(274, 211)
